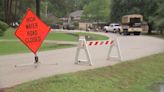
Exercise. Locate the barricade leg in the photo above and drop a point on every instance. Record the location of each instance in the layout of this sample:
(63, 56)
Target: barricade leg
(109, 52)
(77, 55)
(118, 50)
(88, 56)
(82, 45)
(115, 44)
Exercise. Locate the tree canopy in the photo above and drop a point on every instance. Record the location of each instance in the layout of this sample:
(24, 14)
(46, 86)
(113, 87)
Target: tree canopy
(17, 8)
(97, 10)
(94, 10)
(150, 9)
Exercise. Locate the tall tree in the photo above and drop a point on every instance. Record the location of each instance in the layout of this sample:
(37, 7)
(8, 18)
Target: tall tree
(97, 10)
(147, 8)
(38, 8)
(158, 17)
(2, 8)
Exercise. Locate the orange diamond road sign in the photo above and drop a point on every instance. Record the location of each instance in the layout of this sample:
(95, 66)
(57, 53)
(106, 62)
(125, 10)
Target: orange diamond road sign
(32, 31)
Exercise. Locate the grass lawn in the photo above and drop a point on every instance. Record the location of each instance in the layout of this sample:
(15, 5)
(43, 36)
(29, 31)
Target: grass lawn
(10, 34)
(131, 76)
(156, 35)
(18, 47)
(159, 36)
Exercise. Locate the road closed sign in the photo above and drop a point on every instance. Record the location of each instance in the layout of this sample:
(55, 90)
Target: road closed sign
(32, 31)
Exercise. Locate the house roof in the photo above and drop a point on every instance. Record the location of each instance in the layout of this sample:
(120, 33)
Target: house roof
(76, 13)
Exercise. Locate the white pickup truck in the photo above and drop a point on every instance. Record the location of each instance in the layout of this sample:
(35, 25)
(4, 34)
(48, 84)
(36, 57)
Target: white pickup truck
(113, 27)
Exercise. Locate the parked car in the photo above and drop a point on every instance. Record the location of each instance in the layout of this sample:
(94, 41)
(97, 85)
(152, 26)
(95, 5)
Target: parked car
(55, 26)
(113, 27)
(69, 26)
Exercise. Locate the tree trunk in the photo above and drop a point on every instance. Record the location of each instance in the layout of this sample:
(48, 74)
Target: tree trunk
(161, 31)
(20, 9)
(150, 28)
(15, 11)
(6, 2)
(38, 8)
(10, 11)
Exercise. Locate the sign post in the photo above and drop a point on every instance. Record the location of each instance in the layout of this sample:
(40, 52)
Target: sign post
(32, 31)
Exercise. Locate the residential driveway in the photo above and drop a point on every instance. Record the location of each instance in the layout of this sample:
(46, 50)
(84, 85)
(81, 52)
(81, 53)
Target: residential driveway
(62, 60)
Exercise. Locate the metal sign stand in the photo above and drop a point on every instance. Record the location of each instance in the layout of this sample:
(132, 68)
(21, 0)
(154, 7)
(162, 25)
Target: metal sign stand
(82, 45)
(35, 64)
(116, 44)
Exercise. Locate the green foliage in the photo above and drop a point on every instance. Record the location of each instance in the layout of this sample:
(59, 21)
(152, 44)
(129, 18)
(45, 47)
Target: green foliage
(9, 34)
(76, 24)
(2, 10)
(62, 8)
(47, 20)
(158, 17)
(58, 8)
(3, 28)
(152, 10)
(97, 10)
(124, 7)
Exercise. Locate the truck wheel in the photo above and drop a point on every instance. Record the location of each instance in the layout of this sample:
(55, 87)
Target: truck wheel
(118, 31)
(126, 33)
(114, 30)
(137, 33)
(121, 33)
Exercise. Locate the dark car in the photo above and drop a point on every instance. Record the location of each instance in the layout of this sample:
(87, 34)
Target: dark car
(69, 26)
(55, 26)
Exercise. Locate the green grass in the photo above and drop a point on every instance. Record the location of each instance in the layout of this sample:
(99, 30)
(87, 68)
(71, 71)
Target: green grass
(10, 47)
(132, 76)
(156, 35)
(91, 36)
(18, 47)
(10, 35)
(61, 37)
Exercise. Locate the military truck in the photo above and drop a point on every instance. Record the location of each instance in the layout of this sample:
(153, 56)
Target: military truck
(132, 24)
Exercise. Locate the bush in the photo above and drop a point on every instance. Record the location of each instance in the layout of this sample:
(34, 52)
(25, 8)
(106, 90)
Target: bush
(3, 27)
(76, 24)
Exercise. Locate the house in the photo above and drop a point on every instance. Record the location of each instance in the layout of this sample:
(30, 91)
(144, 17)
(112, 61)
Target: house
(76, 15)
(85, 25)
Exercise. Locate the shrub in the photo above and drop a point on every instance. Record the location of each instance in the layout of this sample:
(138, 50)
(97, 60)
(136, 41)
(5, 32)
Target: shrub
(76, 24)
(3, 27)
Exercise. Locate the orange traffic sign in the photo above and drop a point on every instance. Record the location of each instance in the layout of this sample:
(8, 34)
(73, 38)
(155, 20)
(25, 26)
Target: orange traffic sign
(32, 31)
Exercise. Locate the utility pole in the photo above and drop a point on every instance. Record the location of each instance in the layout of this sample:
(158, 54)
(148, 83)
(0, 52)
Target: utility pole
(38, 8)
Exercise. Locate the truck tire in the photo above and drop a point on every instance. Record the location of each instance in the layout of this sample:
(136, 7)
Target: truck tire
(125, 32)
(137, 33)
(114, 30)
(118, 31)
